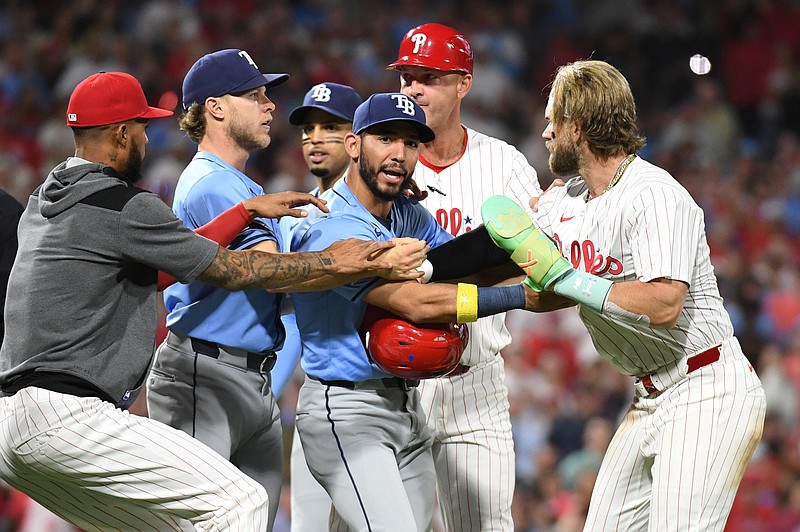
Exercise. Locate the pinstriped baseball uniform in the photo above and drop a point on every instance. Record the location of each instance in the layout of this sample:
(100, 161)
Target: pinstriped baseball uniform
(473, 446)
(139, 474)
(678, 457)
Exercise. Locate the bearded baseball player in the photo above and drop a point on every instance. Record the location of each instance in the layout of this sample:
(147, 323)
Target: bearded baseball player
(629, 247)
(324, 119)
(363, 432)
(81, 318)
(216, 359)
(468, 409)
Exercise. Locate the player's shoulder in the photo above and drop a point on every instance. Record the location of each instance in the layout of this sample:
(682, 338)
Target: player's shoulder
(494, 146)
(482, 139)
(208, 175)
(139, 204)
(650, 184)
(476, 139)
(343, 209)
(202, 165)
(646, 176)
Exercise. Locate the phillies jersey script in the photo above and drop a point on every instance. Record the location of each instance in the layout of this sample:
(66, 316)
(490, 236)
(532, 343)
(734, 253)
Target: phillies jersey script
(455, 196)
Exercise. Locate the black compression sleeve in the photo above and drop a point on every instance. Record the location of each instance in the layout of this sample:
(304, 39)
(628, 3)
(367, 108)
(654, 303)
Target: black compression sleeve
(465, 255)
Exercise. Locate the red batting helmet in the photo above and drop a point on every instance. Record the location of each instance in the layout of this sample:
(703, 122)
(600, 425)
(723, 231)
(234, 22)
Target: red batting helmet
(410, 351)
(435, 46)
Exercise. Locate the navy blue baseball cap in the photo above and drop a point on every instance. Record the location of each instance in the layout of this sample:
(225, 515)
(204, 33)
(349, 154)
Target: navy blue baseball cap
(339, 100)
(225, 72)
(390, 107)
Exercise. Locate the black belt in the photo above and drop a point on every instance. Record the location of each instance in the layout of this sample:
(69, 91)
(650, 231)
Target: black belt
(263, 362)
(55, 382)
(389, 382)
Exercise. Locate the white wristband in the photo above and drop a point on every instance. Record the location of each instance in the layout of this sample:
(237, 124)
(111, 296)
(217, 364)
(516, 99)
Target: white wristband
(427, 270)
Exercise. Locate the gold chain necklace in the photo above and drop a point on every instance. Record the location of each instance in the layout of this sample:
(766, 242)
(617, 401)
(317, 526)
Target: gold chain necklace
(620, 170)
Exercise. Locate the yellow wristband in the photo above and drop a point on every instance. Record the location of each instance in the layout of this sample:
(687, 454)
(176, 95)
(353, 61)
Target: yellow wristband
(466, 303)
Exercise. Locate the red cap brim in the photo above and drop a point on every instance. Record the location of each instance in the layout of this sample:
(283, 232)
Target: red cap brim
(156, 112)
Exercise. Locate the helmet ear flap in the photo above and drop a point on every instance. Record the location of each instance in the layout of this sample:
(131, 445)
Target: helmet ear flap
(435, 46)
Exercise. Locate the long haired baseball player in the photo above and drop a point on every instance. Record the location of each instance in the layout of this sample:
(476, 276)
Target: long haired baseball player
(629, 247)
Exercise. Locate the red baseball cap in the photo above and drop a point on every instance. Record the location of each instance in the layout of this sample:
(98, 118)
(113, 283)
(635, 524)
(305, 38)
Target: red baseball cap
(108, 98)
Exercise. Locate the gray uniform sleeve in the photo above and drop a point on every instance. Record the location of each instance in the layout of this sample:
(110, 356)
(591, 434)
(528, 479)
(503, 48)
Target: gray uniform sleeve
(151, 234)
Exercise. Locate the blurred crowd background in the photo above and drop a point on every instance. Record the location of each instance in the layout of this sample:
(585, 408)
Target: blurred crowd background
(732, 137)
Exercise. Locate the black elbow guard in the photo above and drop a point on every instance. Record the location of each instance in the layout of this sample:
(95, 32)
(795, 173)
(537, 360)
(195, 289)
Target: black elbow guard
(465, 255)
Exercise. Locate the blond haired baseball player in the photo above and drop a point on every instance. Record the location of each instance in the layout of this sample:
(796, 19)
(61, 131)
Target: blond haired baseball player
(629, 246)
(468, 410)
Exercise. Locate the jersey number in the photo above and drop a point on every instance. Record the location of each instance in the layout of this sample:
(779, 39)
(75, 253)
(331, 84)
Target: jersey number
(451, 222)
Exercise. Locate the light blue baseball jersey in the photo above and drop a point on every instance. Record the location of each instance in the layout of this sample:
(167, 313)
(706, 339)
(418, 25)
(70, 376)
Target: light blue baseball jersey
(247, 319)
(289, 354)
(329, 320)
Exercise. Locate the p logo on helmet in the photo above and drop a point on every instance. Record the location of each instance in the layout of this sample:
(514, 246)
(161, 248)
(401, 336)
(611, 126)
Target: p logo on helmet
(435, 46)
(418, 39)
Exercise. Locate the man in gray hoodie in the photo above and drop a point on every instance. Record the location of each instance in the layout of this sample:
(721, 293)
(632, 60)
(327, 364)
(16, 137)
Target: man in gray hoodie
(10, 211)
(80, 328)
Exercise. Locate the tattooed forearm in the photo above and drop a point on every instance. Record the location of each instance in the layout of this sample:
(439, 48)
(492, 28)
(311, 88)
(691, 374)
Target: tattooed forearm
(237, 270)
(342, 262)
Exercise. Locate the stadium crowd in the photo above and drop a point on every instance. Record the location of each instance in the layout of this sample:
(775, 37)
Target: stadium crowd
(731, 137)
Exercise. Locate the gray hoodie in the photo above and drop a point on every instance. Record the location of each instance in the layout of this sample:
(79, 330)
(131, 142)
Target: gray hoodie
(81, 301)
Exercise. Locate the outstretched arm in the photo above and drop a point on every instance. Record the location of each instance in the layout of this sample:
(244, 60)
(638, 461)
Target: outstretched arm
(225, 227)
(466, 255)
(443, 302)
(340, 263)
(657, 303)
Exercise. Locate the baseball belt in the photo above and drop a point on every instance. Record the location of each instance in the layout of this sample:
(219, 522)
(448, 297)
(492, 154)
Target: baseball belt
(657, 382)
(261, 362)
(388, 382)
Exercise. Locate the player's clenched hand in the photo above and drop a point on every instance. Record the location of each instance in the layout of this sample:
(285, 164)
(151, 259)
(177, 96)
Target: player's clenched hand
(282, 204)
(406, 256)
(534, 202)
(544, 301)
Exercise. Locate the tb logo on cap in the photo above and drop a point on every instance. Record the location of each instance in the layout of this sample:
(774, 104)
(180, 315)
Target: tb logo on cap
(320, 93)
(404, 104)
(418, 39)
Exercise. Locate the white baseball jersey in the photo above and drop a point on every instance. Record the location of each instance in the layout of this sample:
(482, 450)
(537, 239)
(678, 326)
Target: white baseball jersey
(469, 413)
(488, 166)
(676, 461)
(646, 227)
